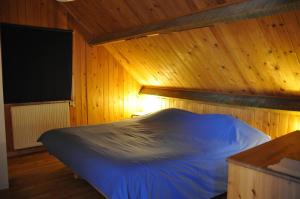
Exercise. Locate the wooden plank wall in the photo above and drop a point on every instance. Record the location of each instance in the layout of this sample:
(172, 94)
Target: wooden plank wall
(43, 13)
(104, 91)
(79, 109)
(112, 93)
(273, 122)
(46, 13)
(100, 84)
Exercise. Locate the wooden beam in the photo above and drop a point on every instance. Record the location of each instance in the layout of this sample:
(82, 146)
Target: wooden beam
(271, 102)
(243, 10)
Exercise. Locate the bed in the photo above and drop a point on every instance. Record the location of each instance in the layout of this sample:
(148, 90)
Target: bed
(168, 154)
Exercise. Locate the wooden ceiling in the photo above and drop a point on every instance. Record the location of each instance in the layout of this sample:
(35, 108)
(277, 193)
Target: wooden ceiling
(98, 17)
(257, 56)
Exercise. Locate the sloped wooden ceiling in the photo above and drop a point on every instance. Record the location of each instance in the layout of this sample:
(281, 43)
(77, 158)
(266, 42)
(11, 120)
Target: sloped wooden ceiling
(98, 17)
(257, 56)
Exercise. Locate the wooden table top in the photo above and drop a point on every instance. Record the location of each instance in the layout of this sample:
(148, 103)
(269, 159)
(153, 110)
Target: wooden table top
(260, 157)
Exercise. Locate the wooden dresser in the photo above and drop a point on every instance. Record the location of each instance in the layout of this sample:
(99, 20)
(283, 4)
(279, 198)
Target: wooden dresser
(249, 177)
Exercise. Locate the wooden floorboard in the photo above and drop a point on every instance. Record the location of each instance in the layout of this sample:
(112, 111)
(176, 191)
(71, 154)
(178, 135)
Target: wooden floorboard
(40, 176)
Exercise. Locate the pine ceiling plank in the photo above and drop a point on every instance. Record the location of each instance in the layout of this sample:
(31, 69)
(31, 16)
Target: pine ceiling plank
(249, 50)
(169, 45)
(33, 13)
(153, 55)
(86, 27)
(182, 46)
(122, 52)
(77, 8)
(80, 27)
(236, 60)
(230, 67)
(147, 11)
(207, 47)
(99, 17)
(292, 24)
(165, 61)
(286, 63)
(196, 57)
(229, 63)
(257, 48)
(153, 73)
(244, 10)
(242, 50)
(157, 70)
(170, 53)
(162, 52)
(119, 12)
(256, 56)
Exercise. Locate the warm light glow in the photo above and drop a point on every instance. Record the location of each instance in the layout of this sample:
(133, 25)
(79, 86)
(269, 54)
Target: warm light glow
(296, 126)
(154, 34)
(64, 0)
(150, 103)
(154, 82)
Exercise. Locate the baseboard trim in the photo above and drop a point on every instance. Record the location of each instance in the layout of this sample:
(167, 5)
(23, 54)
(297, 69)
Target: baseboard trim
(26, 151)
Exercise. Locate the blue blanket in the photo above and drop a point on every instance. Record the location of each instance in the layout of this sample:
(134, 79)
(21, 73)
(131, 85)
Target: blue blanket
(168, 154)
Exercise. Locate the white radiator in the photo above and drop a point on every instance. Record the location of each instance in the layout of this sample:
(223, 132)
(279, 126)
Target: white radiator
(30, 121)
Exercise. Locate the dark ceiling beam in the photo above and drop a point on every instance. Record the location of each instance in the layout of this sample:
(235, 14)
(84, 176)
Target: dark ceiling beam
(271, 102)
(243, 10)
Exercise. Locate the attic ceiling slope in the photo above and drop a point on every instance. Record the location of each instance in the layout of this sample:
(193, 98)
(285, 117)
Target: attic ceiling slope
(256, 56)
(119, 20)
(98, 17)
(225, 14)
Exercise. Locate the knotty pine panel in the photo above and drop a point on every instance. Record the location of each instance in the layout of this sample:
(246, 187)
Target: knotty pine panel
(245, 182)
(111, 92)
(110, 96)
(79, 85)
(256, 56)
(43, 13)
(100, 17)
(272, 122)
(48, 13)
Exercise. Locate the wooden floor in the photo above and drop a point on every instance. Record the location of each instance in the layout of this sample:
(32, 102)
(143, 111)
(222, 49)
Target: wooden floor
(40, 175)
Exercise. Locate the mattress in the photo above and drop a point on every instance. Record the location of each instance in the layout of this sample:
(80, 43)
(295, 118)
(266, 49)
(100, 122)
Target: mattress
(168, 154)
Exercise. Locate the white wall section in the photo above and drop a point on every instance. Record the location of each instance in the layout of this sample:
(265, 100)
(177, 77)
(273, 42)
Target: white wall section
(3, 154)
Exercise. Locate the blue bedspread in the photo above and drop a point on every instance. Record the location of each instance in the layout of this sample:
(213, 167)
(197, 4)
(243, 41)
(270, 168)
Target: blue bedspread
(168, 154)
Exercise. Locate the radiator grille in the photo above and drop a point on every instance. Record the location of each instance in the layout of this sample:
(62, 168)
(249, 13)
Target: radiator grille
(30, 121)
